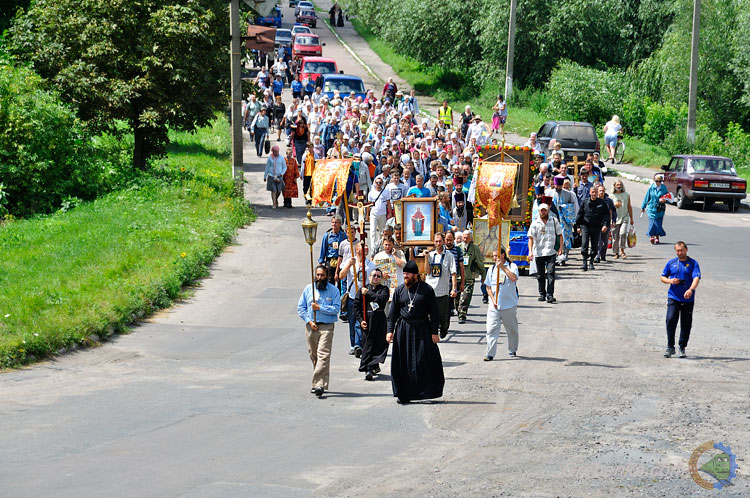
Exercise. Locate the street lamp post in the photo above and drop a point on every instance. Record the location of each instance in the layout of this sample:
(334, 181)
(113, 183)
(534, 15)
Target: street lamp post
(310, 230)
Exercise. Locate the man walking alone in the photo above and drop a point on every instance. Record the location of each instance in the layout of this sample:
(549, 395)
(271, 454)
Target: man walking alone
(683, 274)
(319, 308)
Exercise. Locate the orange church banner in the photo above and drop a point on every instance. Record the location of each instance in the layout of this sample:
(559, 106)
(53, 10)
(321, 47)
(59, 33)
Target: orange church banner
(496, 189)
(327, 173)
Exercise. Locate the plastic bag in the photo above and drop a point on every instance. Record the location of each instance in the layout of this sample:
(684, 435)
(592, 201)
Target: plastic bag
(631, 237)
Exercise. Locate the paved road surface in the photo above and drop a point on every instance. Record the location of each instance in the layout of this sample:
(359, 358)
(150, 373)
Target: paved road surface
(211, 398)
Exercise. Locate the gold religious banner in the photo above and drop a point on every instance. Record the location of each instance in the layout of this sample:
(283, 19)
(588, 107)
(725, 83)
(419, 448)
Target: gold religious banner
(495, 189)
(327, 173)
(486, 237)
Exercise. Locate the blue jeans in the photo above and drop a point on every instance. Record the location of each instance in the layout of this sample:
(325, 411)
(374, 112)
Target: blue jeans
(355, 331)
(260, 140)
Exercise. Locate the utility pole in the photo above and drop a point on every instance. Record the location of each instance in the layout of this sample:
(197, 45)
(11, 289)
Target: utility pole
(511, 45)
(693, 93)
(236, 82)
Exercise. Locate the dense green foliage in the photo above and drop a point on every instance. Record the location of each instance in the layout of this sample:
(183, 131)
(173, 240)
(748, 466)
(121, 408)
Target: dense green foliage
(8, 10)
(46, 155)
(97, 268)
(153, 64)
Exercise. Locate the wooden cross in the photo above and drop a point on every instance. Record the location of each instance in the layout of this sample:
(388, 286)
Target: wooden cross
(361, 207)
(575, 164)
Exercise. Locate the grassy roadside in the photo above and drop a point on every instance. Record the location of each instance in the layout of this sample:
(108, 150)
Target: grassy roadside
(440, 84)
(72, 276)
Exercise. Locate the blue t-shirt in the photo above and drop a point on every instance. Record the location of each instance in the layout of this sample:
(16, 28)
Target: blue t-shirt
(296, 86)
(278, 86)
(686, 271)
(419, 192)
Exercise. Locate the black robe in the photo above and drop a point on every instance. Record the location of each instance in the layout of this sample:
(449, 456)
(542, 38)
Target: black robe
(416, 366)
(374, 345)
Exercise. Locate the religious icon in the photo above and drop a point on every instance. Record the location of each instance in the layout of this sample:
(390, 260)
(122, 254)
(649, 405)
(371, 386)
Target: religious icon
(420, 221)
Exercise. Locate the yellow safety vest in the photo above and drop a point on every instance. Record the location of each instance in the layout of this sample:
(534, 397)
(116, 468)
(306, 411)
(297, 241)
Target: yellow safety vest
(445, 115)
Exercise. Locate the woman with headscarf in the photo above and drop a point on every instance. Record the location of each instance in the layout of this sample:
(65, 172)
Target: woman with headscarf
(655, 205)
(373, 324)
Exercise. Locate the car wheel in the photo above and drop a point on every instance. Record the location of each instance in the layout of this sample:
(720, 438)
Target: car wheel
(733, 205)
(681, 201)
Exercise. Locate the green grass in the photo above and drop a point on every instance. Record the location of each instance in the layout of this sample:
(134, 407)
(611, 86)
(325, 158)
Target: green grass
(445, 84)
(99, 267)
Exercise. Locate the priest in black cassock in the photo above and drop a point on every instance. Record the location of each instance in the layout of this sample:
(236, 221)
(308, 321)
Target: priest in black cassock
(416, 366)
(374, 345)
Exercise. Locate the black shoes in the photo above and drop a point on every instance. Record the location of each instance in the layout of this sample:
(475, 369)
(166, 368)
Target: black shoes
(443, 334)
(488, 358)
(541, 298)
(376, 370)
(597, 259)
(591, 265)
(357, 352)
(368, 375)
(551, 300)
(486, 299)
(461, 319)
(402, 401)
(585, 267)
(318, 391)
(669, 352)
(682, 353)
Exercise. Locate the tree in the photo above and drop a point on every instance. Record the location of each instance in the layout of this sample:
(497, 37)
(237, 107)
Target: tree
(152, 63)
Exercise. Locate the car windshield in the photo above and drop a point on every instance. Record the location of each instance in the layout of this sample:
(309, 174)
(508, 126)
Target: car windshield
(283, 34)
(301, 29)
(580, 133)
(308, 40)
(308, 5)
(307, 13)
(344, 86)
(711, 166)
(319, 67)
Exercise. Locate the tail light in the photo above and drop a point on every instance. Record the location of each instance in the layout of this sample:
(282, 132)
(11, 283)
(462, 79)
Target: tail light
(597, 147)
(739, 186)
(700, 183)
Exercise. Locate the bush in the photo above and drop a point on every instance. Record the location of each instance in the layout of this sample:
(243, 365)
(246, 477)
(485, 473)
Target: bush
(661, 120)
(45, 153)
(584, 94)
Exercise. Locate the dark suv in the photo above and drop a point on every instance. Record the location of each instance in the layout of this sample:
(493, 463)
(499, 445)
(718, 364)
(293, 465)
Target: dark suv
(576, 138)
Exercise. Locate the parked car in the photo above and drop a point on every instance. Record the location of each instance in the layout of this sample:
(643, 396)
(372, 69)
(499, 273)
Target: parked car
(293, 3)
(576, 138)
(303, 5)
(272, 19)
(283, 38)
(298, 28)
(344, 84)
(313, 67)
(708, 179)
(307, 45)
(308, 17)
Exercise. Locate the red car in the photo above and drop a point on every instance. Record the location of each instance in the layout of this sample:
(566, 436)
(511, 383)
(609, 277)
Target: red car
(313, 67)
(306, 44)
(704, 178)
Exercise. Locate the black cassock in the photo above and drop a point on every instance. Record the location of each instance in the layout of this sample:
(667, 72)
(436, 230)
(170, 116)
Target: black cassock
(374, 345)
(416, 366)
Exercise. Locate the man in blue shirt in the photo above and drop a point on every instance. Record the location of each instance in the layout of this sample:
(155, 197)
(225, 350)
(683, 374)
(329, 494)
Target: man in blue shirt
(419, 189)
(329, 248)
(503, 304)
(683, 274)
(296, 87)
(319, 309)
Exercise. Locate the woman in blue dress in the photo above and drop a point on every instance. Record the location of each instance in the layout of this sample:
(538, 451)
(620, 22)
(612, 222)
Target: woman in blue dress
(655, 208)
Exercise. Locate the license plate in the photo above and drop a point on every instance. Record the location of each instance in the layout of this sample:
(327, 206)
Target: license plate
(719, 185)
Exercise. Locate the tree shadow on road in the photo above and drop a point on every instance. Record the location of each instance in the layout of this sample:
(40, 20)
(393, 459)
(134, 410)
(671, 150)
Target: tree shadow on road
(718, 358)
(338, 394)
(590, 364)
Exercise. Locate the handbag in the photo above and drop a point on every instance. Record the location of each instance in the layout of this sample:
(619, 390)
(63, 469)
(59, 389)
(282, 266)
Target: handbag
(631, 237)
(267, 146)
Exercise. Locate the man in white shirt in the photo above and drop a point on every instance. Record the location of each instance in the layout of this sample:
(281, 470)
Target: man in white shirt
(503, 303)
(378, 211)
(395, 259)
(441, 276)
(543, 234)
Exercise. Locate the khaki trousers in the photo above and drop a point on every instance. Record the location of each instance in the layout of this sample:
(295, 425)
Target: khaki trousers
(319, 343)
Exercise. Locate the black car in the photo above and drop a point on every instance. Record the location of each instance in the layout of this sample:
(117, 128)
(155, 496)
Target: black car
(576, 138)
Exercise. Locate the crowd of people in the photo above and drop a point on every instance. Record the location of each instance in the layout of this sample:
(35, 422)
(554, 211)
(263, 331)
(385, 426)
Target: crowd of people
(377, 283)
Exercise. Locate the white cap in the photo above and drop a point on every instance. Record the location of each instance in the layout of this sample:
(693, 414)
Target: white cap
(543, 206)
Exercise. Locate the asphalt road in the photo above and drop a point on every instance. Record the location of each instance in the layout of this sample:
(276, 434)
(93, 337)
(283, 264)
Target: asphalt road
(211, 398)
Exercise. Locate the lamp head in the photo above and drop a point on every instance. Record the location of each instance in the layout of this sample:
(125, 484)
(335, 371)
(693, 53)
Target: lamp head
(310, 229)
